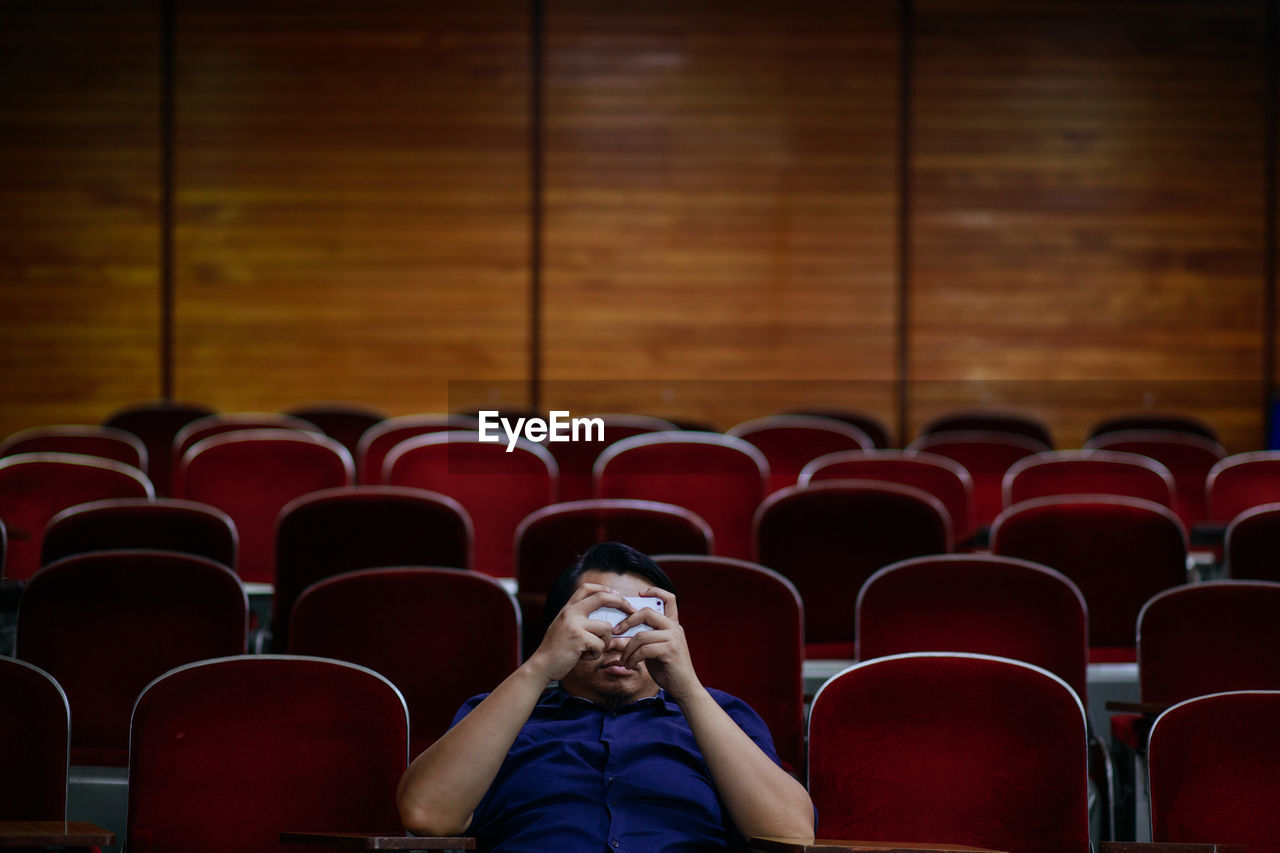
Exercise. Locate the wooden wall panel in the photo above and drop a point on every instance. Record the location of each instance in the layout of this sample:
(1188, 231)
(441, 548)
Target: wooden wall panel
(79, 230)
(720, 206)
(352, 203)
(1088, 196)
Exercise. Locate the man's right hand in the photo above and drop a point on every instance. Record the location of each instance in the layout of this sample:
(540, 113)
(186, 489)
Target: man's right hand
(572, 635)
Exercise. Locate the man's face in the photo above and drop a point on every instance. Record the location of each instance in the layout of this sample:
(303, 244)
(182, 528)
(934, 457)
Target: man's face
(605, 680)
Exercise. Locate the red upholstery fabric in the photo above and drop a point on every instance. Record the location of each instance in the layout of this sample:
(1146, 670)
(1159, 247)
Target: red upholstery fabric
(1209, 638)
(789, 442)
(345, 422)
(551, 539)
(251, 475)
(440, 635)
(156, 422)
(227, 754)
(745, 627)
(719, 477)
(977, 603)
(1118, 551)
(34, 487)
(34, 723)
(990, 420)
(222, 422)
(163, 524)
(1252, 542)
(828, 538)
(334, 531)
(577, 459)
(1188, 457)
(944, 478)
(1241, 482)
(956, 749)
(90, 440)
(497, 489)
(1088, 472)
(105, 624)
(1214, 771)
(986, 456)
(870, 424)
(377, 441)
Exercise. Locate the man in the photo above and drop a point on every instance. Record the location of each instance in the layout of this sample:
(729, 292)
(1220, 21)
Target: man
(630, 752)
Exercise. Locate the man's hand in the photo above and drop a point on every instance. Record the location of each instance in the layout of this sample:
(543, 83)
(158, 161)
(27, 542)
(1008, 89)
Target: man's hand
(573, 635)
(664, 650)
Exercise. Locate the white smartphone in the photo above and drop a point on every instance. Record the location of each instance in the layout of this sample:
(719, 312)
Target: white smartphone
(613, 615)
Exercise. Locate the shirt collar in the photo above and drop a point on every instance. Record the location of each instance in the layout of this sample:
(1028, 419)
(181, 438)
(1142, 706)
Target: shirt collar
(555, 697)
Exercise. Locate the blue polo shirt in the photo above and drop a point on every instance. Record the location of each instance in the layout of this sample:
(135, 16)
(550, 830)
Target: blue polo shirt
(582, 777)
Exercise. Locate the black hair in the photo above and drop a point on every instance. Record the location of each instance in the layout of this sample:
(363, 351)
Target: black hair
(613, 557)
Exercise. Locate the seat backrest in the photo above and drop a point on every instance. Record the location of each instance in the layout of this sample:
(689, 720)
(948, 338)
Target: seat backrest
(1189, 458)
(89, 439)
(251, 475)
(745, 628)
(989, 420)
(156, 422)
(227, 754)
(1160, 421)
(987, 456)
(1119, 551)
(439, 635)
(1252, 542)
(1088, 472)
(35, 722)
(577, 459)
(951, 748)
(344, 421)
(789, 442)
(872, 425)
(34, 487)
(377, 441)
(722, 478)
(829, 537)
(334, 531)
(1214, 771)
(104, 624)
(977, 603)
(945, 479)
(1242, 481)
(497, 488)
(221, 422)
(162, 524)
(1209, 638)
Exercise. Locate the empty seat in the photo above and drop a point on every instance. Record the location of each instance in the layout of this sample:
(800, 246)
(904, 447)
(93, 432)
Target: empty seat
(1252, 543)
(1189, 458)
(222, 422)
(1242, 481)
(1161, 421)
(156, 422)
(343, 421)
(160, 524)
(789, 442)
(576, 459)
(105, 624)
(497, 489)
(1119, 551)
(334, 531)
(987, 456)
(251, 475)
(227, 754)
(872, 425)
(829, 537)
(378, 440)
(950, 748)
(720, 477)
(745, 628)
(35, 724)
(88, 439)
(34, 487)
(990, 420)
(440, 635)
(1088, 472)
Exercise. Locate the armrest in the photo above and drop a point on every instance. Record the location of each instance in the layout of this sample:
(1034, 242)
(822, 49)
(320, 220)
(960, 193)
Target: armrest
(761, 844)
(1166, 847)
(363, 841)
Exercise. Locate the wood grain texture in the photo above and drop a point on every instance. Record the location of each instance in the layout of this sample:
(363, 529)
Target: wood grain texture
(1087, 182)
(720, 202)
(79, 284)
(352, 206)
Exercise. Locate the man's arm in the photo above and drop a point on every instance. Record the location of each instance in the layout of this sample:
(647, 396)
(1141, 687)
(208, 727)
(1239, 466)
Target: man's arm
(439, 792)
(762, 798)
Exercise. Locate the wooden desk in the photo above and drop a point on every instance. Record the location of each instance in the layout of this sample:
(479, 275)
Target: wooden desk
(825, 845)
(361, 841)
(53, 833)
